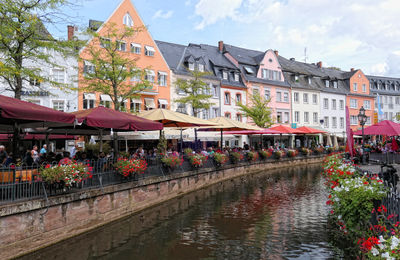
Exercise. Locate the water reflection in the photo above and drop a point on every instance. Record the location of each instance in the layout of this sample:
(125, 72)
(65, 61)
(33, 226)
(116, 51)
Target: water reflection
(265, 216)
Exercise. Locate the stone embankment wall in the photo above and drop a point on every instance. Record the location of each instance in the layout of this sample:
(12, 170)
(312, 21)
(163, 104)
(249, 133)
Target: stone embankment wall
(31, 225)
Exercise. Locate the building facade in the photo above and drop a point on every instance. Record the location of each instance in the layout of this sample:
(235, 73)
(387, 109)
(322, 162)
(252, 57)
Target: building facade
(139, 47)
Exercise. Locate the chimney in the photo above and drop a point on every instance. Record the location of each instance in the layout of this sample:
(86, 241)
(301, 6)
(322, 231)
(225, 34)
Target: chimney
(352, 69)
(292, 59)
(276, 53)
(319, 64)
(71, 32)
(220, 46)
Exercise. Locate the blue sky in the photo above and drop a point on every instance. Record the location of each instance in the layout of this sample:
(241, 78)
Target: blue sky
(361, 34)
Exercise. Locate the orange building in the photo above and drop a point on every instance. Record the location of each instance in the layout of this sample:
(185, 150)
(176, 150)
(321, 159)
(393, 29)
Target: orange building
(140, 47)
(359, 96)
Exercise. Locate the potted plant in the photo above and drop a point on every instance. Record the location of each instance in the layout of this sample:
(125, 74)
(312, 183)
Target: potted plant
(264, 154)
(172, 161)
(305, 151)
(188, 152)
(319, 150)
(220, 159)
(278, 154)
(128, 167)
(252, 156)
(235, 157)
(197, 160)
(292, 153)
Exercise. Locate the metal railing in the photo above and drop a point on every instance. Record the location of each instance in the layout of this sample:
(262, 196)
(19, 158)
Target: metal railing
(19, 183)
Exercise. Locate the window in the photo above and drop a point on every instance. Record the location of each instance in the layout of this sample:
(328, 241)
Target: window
(306, 117)
(315, 99)
(353, 103)
(326, 103)
(238, 98)
(162, 103)
(367, 104)
(215, 111)
(59, 75)
(128, 21)
(353, 120)
(368, 120)
(333, 104)
(201, 67)
(264, 73)
(181, 108)
(397, 101)
(105, 100)
(279, 117)
(162, 79)
(286, 117)
(385, 115)
(390, 115)
(296, 116)
(279, 96)
(150, 76)
(327, 83)
(225, 75)
(58, 105)
(267, 93)
(215, 91)
(149, 103)
(227, 98)
(364, 88)
(149, 51)
(136, 48)
(315, 118)
(309, 80)
(296, 97)
(286, 97)
(305, 98)
(334, 122)
(239, 117)
(248, 70)
(191, 66)
(335, 84)
(326, 122)
(342, 122)
(135, 105)
(354, 86)
(88, 68)
(236, 77)
(227, 115)
(105, 43)
(88, 100)
(296, 78)
(256, 91)
(206, 114)
(341, 104)
(121, 45)
(34, 81)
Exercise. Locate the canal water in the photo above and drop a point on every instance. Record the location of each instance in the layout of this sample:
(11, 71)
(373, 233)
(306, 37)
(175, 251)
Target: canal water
(278, 215)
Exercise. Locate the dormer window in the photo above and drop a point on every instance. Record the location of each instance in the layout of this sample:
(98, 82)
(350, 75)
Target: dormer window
(327, 83)
(335, 84)
(128, 21)
(191, 66)
(225, 75)
(296, 78)
(248, 70)
(309, 80)
(236, 77)
(201, 67)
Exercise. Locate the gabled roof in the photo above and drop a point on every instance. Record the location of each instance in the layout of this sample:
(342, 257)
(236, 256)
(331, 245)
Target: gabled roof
(393, 85)
(246, 56)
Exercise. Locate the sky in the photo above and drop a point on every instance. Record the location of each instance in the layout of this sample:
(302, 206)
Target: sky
(360, 34)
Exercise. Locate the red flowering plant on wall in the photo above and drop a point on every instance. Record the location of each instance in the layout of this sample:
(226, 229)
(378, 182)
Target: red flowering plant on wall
(69, 174)
(172, 161)
(197, 160)
(252, 156)
(220, 159)
(128, 167)
(265, 154)
(292, 153)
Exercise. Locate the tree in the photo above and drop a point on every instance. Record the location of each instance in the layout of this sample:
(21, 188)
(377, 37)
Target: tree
(25, 43)
(259, 111)
(108, 70)
(195, 91)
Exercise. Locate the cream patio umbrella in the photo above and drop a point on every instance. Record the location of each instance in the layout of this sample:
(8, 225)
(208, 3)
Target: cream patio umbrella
(171, 118)
(227, 124)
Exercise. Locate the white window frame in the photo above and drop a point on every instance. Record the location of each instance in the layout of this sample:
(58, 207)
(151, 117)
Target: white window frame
(296, 97)
(306, 117)
(267, 93)
(342, 122)
(355, 87)
(225, 75)
(334, 122)
(315, 117)
(296, 116)
(305, 98)
(333, 104)
(121, 44)
(149, 51)
(127, 20)
(327, 83)
(341, 104)
(353, 103)
(364, 88)
(136, 48)
(58, 107)
(367, 104)
(315, 99)
(279, 96)
(58, 75)
(162, 79)
(326, 103)
(286, 97)
(201, 67)
(236, 77)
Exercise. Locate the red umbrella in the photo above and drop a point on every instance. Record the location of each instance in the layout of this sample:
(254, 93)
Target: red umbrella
(385, 127)
(27, 114)
(286, 130)
(253, 132)
(309, 130)
(101, 117)
(395, 146)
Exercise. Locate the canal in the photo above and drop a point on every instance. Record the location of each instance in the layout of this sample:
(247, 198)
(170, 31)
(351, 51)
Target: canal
(275, 215)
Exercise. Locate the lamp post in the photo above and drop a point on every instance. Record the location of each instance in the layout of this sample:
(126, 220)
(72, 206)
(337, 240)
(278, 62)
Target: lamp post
(362, 118)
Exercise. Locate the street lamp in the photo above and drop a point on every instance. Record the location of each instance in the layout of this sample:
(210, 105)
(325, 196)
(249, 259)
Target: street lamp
(362, 118)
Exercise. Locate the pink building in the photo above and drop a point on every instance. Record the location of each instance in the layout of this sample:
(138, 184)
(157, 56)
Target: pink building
(262, 75)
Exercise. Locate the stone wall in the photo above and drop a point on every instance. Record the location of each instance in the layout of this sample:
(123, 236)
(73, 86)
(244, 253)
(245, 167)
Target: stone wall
(28, 226)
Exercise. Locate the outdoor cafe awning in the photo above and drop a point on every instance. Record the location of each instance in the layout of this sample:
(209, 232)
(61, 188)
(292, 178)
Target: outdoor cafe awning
(386, 127)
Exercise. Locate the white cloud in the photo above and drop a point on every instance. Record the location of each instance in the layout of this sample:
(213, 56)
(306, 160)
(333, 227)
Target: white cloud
(361, 33)
(211, 11)
(163, 14)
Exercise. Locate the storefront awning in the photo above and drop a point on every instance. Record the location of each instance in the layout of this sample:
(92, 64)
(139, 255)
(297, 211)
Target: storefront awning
(89, 96)
(149, 103)
(104, 97)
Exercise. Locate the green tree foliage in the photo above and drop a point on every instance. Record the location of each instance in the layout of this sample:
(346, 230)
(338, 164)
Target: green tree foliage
(259, 111)
(108, 70)
(195, 91)
(25, 43)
